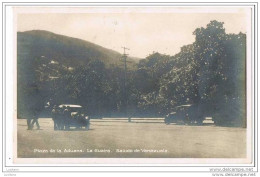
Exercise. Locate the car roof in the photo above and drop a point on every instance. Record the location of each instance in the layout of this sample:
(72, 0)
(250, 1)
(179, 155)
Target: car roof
(70, 105)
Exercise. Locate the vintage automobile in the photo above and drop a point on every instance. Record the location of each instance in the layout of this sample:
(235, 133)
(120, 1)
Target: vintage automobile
(74, 117)
(184, 114)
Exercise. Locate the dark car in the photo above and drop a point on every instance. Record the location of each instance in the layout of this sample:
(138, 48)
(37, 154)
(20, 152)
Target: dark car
(184, 114)
(73, 116)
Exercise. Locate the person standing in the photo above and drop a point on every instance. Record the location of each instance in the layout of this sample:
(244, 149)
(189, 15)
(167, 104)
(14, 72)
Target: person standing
(29, 121)
(35, 120)
(61, 118)
(67, 117)
(54, 117)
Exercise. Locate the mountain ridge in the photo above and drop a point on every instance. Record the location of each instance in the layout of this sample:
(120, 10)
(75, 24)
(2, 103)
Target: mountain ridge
(41, 43)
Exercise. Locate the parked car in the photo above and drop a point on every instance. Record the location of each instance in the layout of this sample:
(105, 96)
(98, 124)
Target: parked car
(72, 116)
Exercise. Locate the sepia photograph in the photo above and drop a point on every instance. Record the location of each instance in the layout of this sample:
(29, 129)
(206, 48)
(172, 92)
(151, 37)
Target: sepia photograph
(132, 82)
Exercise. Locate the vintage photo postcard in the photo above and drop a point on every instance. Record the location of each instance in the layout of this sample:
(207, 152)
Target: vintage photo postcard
(133, 84)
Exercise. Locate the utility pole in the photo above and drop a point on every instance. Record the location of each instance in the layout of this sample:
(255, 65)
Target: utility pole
(125, 77)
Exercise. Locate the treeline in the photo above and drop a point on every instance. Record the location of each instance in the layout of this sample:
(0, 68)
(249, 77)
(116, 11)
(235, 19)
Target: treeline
(209, 73)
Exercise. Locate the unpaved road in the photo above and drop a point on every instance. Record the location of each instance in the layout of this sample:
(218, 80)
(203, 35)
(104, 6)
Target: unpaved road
(118, 138)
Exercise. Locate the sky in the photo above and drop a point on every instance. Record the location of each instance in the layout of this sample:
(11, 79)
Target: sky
(143, 30)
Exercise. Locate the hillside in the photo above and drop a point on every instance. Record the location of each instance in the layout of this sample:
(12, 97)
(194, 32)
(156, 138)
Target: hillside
(69, 51)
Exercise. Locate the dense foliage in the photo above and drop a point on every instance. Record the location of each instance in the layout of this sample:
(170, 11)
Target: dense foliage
(209, 73)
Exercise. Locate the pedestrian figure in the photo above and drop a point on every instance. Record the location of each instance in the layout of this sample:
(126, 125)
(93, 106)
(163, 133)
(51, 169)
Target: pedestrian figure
(61, 117)
(78, 119)
(67, 117)
(59, 121)
(35, 120)
(87, 123)
(54, 113)
(29, 121)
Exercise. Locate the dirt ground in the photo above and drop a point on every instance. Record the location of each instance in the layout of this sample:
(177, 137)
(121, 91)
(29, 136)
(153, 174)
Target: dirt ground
(139, 138)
